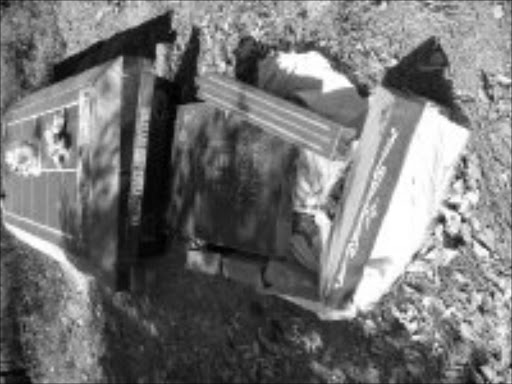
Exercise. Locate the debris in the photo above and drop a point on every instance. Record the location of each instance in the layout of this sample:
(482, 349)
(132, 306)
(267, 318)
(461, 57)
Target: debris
(310, 77)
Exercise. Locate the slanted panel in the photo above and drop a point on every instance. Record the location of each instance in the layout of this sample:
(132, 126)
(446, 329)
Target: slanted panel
(65, 92)
(277, 116)
(384, 144)
(44, 105)
(231, 182)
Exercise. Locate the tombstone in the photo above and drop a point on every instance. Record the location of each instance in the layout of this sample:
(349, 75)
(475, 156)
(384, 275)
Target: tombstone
(104, 202)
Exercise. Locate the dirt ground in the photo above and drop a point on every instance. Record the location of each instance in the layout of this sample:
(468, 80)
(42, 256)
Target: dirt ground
(446, 320)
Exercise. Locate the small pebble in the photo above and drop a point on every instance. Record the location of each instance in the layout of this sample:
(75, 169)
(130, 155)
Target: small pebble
(448, 256)
(480, 250)
(473, 197)
(498, 12)
(466, 232)
(458, 187)
(468, 203)
(475, 223)
(488, 374)
(503, 80)
(488, 237)
(439, 232)
(453, 224)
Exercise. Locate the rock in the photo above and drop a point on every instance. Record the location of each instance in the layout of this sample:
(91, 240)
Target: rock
(312, 342)
(439, 232)
(372, 375)
(468, 203)
(467, 233)
(458, 187)
(453, 223)
(448, 256)
(473, 197)
(488, 374)
(203, 261)
(488, 238)
(467, 332)
(473, 172)
(369, 326)
(498, 12)
(480, 250)
(503, 80)
(475, 224)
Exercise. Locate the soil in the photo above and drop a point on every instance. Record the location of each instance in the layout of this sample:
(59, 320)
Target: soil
(446, 320)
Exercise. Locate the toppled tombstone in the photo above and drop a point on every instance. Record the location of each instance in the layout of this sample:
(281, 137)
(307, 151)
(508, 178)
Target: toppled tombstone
(348, 217)
(309, 191)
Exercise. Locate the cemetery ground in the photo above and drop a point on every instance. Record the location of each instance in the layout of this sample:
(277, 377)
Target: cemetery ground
(446, 320)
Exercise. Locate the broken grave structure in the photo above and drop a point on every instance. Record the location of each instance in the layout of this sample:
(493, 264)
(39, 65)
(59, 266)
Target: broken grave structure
(323, 198)
(295, 185)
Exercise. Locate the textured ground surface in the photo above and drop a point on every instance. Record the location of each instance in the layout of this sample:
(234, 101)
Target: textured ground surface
(447, 320)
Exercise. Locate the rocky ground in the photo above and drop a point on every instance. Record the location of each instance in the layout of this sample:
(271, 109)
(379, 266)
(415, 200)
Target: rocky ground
(446, 320)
